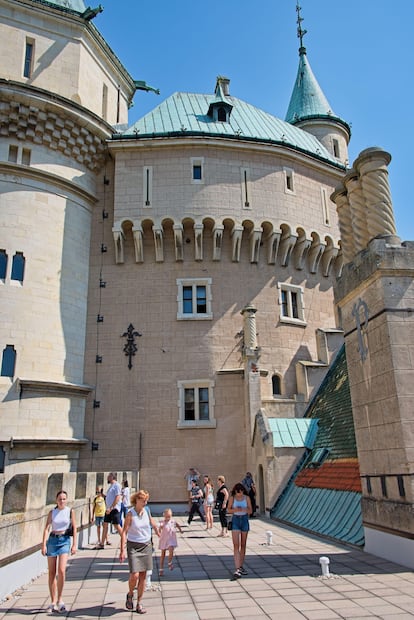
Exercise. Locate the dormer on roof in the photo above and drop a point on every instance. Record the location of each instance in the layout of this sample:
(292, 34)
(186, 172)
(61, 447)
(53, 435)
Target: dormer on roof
(220, 108)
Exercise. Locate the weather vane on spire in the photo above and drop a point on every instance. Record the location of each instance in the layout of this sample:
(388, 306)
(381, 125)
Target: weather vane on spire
(301, 33)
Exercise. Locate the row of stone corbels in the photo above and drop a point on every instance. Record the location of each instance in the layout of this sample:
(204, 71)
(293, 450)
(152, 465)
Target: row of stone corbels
(58, 132)
(363, 202)
(289, 246)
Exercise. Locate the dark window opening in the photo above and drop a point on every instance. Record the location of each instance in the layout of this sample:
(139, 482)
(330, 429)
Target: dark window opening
(3, 264)
(336, 148)
(8, 361)
(28, 59)
(221, 115)
(401, 488)
(188, 299)
(201, 300)
(384, 486)
(197, 172)
(276, 385)
(189, 404)
(203, 403)
(18, 267)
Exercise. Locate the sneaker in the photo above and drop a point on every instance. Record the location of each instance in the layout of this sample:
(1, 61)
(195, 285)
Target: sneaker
(236, 575)
(61, 608)
(243, 571)
(52, 607)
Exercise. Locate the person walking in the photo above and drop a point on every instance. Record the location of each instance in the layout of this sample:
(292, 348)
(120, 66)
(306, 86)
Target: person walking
(250, 487)
(61, 527)
(125, 499)
(196, 502)
(136, 538)
(168, 539)
(208, 501)
(98, 514)
(113, 508)
(221, 504)
(240, 507)
(192, 474)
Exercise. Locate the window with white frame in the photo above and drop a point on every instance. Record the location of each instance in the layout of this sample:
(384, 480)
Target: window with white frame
(291, 303)
(289, 181)
(197, 170)
(196, 404)
(194, 298)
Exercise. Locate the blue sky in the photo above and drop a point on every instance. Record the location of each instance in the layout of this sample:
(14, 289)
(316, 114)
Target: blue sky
(360, 51)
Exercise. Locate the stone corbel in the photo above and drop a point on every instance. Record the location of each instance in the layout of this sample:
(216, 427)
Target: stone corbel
(300, 251)
(217, 241)
(138, 244)
(255, 239)
(119, 245)
(158, 243)
(178, 242)
(315, 254)
(287, 244)
(198, 241)
(328, 259)
(236, 238)
(273, 241)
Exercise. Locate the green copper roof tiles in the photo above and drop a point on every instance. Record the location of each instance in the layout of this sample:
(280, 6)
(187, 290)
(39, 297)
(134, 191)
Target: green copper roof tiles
(187, 114)
(293, 432)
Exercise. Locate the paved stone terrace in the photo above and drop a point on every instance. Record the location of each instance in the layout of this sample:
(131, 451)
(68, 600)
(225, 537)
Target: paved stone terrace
(284, 582)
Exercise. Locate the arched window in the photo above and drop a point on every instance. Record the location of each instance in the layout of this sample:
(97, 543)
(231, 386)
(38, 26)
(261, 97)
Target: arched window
(276, 385)
(18, 267)
(8, 362)
(221, 115)
(3, 264)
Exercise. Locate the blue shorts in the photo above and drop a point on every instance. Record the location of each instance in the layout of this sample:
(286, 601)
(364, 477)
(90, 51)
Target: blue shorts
(57, 545)
(99, 520)
(240, 523)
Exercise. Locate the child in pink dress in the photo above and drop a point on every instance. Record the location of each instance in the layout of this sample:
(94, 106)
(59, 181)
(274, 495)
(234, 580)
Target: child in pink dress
(168, 539)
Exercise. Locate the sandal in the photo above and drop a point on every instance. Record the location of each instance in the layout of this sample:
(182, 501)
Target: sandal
(141, 609)
(170, 565)
(128, 603)
(52, 607)
(61, 608)
(161, 572)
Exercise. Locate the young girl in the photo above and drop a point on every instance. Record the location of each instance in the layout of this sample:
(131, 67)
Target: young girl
(168, 539)
(208, 501)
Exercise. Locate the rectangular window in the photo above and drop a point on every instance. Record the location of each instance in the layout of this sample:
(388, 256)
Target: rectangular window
(325, 207)
(245, 185)
(197, 172)
(3, 264)
(194, 299)
(147, 186)
(196, 404)
(28, 58)
(335, 146)
(289, 181)
(18, 265)
(26, 155)
(291, 304)
(13, 153)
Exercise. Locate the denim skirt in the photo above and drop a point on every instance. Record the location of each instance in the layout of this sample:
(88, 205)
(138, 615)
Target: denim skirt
(57, 545)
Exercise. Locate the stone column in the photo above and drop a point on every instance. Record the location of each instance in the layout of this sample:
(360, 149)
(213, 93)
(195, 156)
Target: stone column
(372, 167)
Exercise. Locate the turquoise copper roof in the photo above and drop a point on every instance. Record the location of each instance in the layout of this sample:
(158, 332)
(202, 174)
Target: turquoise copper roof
(71, 5)
(293, 432)
(308, 100)
(187, 114)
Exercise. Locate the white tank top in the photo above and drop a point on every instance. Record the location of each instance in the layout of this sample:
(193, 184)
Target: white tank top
(140, 529)
(60, 519)
(242, 503)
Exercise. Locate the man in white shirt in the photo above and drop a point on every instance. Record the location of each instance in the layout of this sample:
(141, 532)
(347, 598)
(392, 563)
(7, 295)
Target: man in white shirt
(113, 507)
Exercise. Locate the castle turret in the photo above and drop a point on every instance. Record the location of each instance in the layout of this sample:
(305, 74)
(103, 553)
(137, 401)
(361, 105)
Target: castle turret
(310, 110)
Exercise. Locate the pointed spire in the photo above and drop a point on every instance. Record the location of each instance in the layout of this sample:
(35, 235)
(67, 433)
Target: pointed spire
(308, 99)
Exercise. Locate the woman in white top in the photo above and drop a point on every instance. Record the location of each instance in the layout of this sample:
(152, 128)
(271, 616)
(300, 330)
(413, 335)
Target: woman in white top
(57, 548)
(208, 501)
(240, 507)
(136, 536)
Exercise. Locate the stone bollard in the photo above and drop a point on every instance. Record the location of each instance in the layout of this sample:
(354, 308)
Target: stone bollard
(324, 562)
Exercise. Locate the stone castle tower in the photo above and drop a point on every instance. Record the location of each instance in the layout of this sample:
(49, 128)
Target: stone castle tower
(163, 283)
